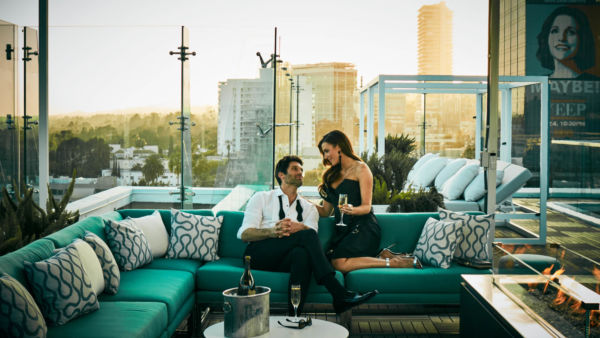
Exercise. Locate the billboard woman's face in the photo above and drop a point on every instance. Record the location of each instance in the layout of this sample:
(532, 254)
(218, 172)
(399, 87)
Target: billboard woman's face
(563, 38)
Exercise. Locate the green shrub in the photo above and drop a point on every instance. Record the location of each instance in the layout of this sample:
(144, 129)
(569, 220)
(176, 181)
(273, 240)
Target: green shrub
(381, 194)
(416, 201)
(22, 221)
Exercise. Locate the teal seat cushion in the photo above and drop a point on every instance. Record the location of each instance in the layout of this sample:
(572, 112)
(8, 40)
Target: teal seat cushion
(117, 319)
(165, 214)
(65, 236)
(189, 265)
(509, 265)
(396, 280)
(229, 245)
(226, 272)
(12, 262)
(170, 287)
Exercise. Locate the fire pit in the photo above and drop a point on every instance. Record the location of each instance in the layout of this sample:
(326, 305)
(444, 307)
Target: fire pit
(562, 299)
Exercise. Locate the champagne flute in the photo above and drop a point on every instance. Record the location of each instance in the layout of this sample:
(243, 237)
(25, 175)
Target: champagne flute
(342, 200)
(295, 298)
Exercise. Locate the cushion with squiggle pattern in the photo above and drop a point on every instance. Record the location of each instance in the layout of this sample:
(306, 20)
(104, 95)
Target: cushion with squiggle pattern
(110, 269)
(475, 231)
(61, 287)
(19, 314)
(128, 244)
(194, 236)
(437, 243)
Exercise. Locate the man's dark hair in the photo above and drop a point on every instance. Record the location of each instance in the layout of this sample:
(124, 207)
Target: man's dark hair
(283, 165)
(585, 56)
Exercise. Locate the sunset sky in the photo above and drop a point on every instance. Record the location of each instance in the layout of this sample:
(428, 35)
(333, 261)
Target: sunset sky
(112, 55)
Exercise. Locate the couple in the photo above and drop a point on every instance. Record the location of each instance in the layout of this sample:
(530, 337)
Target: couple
(281, 227)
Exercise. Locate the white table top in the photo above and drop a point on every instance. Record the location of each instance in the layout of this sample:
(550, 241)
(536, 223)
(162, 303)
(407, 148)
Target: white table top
(319, 328)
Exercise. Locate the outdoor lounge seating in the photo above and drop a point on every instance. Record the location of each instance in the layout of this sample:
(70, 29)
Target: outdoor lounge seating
(511, 178)
(154, 299)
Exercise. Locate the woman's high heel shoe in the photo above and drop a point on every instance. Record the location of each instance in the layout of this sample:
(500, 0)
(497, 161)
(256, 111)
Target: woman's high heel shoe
(387, 253)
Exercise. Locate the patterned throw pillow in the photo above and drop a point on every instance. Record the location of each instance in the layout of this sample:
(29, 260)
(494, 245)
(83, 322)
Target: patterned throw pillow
(128, 244)
(437, 243)
(194, 236)
(110, 269)
(19, 314)
(61, 287)
(475, 231)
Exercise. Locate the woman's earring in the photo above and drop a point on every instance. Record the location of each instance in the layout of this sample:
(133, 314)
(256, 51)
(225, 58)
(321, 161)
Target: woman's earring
(340, 153)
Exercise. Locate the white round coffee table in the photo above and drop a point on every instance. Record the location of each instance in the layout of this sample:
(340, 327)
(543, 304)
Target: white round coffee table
(319, 328)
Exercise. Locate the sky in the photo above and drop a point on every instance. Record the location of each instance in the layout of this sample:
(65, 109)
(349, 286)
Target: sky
(111, 55)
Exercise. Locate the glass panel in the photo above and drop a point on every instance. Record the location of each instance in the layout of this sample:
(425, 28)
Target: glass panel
(30, 146)
(9, 123)
(186, 140)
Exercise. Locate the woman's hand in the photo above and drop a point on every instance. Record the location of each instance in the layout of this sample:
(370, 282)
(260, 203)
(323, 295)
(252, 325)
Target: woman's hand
(347, 209)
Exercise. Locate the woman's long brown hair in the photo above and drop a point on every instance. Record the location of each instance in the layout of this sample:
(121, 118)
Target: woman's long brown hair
(333, 173)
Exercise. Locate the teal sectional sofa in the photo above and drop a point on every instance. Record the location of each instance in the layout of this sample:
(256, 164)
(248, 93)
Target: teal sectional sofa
(153, 300)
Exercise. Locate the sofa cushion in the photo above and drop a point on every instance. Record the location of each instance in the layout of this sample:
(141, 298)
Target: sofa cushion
(19, 314)
(117, 319)
(61, 287)
(128, 244)
(437, 242)
(170, 287)
(428, 172)
(180, 264)
(165, 214)
(402, 230)
(229, 244)
(110, 269)
(415, 168)
(12, 263)
(461, 205)
(65, 236)
(476, 189)
(154, 229)
(226, 272)
(427, 280)
(456, 185)
(90, 263)
(448, 171)
(473, 243)
(194, 236)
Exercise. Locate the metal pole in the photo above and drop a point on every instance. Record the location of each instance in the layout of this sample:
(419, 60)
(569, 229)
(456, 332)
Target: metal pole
(297, 112)
(182, 121)
(424, 124)
(24, 110)
(291, 122)
(274, 65)
(43, 136)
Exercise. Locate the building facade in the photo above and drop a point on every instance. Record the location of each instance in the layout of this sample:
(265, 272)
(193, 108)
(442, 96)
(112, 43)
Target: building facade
(435, 40)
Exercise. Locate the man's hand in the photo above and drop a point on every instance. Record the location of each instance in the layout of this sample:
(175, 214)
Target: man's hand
(287, 227)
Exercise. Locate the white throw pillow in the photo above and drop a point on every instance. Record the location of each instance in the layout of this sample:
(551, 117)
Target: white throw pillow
(473, 244)
(449, 170)
(418, 164)
(91, 264)
(475, 191)
(194, 236)
(154, 229)
(455, 186)
(428, 171)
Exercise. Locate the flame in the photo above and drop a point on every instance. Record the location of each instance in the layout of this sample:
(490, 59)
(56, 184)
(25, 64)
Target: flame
(562, 255)
(596, 273)
(554, 275)
(576, 308)
(560, 298)
(595, 318)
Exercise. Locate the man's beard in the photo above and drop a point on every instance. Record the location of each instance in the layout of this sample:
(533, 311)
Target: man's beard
(293, 181)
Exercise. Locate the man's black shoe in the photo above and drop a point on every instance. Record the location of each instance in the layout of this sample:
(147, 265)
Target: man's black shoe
(352, 299)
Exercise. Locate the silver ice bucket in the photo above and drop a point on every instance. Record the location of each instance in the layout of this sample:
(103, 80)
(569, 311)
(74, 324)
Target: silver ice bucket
(246, 316)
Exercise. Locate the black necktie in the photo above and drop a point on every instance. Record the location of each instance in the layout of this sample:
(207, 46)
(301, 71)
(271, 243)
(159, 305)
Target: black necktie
(298, 209)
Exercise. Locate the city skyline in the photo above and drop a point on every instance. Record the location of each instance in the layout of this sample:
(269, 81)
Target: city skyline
(124, 47)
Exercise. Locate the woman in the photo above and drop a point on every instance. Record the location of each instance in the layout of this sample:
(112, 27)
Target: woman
(566, 44)
(353, 246)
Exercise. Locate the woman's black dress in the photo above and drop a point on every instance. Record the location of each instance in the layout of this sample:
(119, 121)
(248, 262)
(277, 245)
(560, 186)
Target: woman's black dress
(362, 235)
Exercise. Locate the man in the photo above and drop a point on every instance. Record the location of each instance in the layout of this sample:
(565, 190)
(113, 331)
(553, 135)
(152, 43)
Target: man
(281, 228)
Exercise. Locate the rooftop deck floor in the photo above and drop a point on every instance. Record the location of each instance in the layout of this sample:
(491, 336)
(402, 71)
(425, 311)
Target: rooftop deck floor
(438, 321)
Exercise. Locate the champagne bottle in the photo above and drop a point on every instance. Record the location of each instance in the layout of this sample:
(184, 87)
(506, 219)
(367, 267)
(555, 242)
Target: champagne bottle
(246, 286)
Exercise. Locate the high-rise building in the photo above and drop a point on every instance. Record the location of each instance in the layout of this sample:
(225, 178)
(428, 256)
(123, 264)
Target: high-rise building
(334, 95)
(435, 40)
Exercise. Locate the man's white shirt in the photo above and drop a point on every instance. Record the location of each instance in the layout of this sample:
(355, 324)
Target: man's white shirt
(262, 211)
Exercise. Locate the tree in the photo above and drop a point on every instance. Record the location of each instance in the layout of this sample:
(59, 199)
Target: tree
(152, 168)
